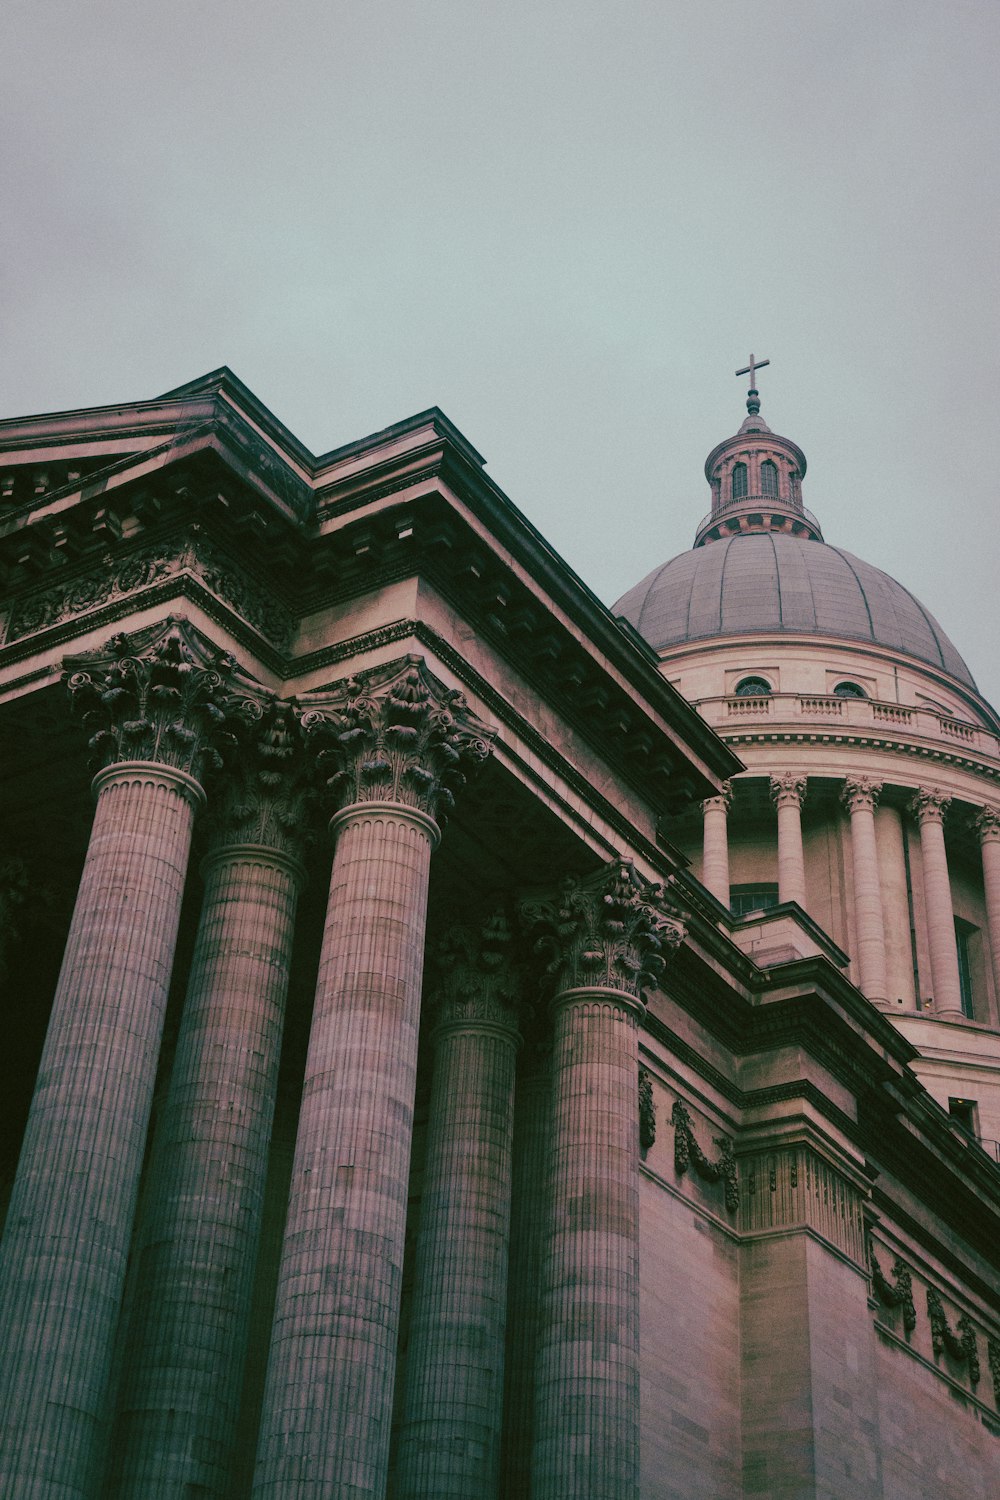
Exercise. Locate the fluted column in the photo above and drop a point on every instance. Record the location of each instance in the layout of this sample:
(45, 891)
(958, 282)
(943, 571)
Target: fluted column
(152, 703)
(930, 807)
(715, 848)
(788, 793)
(532, 1110)
(395, 742)
(860, 795)
(987, 825)
(449, 1444)
(197, 1247)
(605, 939)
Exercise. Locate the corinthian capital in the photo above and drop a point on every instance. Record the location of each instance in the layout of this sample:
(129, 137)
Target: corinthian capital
(987, 825)
(860, 792)
(723, 802)
(929, 805)
(396, 734)
(611, 930)
(788, 789)
(159, 695)
(477, 977)
(267, 792)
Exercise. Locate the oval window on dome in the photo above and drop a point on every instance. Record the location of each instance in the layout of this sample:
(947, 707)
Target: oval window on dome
(849, 690)
(769, 479)
(752, 687)
(739, 481)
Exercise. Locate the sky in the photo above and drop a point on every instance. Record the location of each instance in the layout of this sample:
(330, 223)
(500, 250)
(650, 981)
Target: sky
(566, 224)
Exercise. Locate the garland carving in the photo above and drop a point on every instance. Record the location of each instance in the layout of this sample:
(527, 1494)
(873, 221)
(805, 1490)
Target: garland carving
(687, 1152)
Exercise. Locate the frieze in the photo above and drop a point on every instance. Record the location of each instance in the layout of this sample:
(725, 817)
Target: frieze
(792, 1186)
(688, 1153)
(112, 580)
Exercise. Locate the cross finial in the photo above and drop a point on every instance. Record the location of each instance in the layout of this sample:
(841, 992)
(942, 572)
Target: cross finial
(753, 400)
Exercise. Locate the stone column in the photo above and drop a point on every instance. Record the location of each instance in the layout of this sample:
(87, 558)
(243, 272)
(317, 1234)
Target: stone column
(395, 743)
(715, 855)
(154, 704)
(532, 1111)
(788, 793)
(604, 938)
(860, 795)
(930, 806)
(197, 1244)
(987, 825)
(449, 1443)
(889, 839)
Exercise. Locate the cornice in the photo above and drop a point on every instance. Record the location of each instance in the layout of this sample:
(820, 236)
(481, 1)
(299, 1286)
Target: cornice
(989, 771)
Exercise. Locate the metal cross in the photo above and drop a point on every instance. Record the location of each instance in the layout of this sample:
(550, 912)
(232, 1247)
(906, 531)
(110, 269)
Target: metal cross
(751, 370)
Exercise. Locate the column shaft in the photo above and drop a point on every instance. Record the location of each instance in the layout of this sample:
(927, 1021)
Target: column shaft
(715, 857)
(587, 1374)
(532, 1110)
(940, 913)
(895, 907)
(198, 1244)
(328, 1397)
(869, 923)
(71, 1214)
(450, 1438)
(788, 791)
(989, 834)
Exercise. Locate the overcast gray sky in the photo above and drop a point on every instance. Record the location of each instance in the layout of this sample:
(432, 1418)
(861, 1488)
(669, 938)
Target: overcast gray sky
(566, 224)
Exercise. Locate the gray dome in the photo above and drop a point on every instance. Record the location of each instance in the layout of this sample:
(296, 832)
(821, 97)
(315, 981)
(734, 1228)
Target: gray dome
(769, 582)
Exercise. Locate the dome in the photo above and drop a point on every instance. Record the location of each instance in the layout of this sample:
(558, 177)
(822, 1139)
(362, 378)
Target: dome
(770, 582)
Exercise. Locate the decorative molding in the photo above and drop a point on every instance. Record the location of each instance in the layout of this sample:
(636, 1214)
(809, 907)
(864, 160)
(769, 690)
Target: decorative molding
(647, 1111)
(895, 1293)
(267, 793)
(993, 1359)
(986, 824)
(960, 1345)
(723, 802)
(477, 979)
(610, 930)
(395, 734)
(112, 580)
(794, 1186)
(868, 742)
(687, 1152)
(159, 695)
(789, 789)
(929, 805)
(860, 793)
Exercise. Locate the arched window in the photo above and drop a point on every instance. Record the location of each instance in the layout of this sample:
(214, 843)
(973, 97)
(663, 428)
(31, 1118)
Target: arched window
(752, 687)
(739, 481)
(849, 690)
(769, 479)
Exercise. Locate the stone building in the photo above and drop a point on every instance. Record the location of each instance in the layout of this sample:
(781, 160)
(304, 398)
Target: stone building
(462, 1041)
